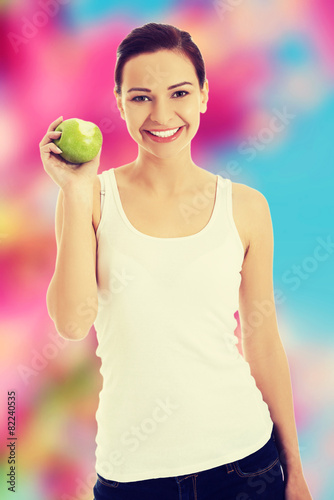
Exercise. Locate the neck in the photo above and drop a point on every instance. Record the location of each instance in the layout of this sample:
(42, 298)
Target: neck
(164, 176)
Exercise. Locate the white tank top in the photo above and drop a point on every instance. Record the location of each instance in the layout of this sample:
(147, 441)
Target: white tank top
(177, 396)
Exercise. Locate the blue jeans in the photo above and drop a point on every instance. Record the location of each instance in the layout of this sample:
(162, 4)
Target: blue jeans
(255, 477)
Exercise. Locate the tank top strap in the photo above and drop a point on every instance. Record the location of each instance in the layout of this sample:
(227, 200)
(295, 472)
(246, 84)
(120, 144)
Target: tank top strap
(104, 200)
(102, 189)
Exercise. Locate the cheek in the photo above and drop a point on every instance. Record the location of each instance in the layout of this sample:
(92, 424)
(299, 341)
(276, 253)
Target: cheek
(134, 118)
(190, 111)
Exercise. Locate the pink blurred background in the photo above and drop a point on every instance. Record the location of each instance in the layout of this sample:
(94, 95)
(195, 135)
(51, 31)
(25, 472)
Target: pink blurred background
(58, 58)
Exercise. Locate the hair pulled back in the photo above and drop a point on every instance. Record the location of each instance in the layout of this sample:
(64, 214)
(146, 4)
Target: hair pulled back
(152, 37)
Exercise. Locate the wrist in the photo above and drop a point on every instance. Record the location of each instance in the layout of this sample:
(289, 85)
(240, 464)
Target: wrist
(292, 471)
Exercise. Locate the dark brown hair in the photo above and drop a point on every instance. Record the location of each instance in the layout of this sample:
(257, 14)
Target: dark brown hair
(153, 37)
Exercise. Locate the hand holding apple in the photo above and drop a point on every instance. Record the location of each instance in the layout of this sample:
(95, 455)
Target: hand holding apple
(62, 171)
(80, 140)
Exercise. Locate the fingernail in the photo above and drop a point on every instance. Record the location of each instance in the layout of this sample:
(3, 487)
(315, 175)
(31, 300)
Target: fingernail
(59, 150)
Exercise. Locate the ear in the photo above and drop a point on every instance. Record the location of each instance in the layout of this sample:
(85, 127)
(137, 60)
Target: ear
(204, 96)
(119, 104)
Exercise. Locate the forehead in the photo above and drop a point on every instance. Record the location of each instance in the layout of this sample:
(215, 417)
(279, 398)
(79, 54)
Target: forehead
(161, 68)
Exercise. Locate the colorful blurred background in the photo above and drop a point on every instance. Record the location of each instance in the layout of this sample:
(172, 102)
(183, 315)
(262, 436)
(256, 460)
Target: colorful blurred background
(269, 124)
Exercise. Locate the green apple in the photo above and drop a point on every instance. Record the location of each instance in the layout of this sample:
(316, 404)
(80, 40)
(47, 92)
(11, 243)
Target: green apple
(80, 140)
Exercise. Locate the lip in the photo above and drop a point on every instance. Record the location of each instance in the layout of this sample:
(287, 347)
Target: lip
(162, 129)
(164, 139)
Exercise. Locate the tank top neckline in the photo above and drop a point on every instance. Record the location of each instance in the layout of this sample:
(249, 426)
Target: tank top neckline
(177, 238)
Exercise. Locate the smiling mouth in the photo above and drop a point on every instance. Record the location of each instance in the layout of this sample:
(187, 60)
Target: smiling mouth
(164, 133)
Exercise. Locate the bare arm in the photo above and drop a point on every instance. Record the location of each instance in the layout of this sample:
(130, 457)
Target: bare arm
(72, 293)
(262, 346)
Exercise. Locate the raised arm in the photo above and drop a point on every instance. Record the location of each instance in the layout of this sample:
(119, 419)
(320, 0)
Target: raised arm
(72, 293)
(262, 346)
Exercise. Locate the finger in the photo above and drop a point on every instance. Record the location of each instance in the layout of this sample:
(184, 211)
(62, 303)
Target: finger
(55, 124)
(50, 136)
(50, 148)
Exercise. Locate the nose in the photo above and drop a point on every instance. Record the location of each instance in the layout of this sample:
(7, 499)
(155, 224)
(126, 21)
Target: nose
(162, 111)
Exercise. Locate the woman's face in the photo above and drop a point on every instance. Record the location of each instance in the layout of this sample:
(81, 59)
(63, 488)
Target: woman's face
(158, 107)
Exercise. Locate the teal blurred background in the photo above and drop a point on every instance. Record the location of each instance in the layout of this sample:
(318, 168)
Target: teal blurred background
(269, 124)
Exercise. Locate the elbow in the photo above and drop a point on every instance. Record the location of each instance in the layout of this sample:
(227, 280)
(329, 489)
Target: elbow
(73, 326)
(72, 331)
(70, 327)
(71, 321)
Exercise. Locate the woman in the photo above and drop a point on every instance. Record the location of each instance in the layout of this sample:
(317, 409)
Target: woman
(151, 254)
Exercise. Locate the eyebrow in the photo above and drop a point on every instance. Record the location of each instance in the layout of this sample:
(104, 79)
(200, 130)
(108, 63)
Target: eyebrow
(149, 90)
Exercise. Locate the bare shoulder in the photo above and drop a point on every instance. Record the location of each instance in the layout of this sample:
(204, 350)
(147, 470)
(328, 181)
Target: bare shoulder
(246, 195)
(249, 206)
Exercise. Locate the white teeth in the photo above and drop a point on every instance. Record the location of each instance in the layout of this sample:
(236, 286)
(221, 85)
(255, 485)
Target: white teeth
(168, 133)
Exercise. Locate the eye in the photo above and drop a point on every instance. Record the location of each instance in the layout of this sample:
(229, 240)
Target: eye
(138, 98)
(180, 92)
